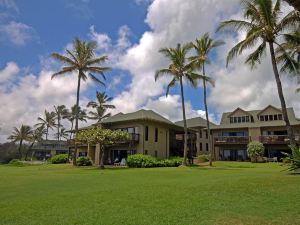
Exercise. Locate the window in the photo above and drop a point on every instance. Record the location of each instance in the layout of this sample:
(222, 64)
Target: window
(201, 149)
(271, 117)
(146, 133)
(235, 119)
(156, 134)
(266, 118)
(82, 154)
(252, 120)
(239, 119)
(200, 133)
(243, 119)
(207, 147)
(231, 120)
(155, 153)
(131, 130)
(279, 116)
(146, 152)
(247, 119)
(275, 117)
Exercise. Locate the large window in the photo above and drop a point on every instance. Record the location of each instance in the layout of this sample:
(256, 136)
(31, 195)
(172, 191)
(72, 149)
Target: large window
(156, 134)
(146, 133)
(207, 147)
(201, 148)
(241, 119)
(270, 117)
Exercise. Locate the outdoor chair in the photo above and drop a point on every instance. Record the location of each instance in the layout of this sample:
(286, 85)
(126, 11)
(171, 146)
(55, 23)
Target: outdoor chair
(123, 162)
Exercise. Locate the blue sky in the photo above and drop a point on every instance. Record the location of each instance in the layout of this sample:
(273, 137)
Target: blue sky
(130, 32)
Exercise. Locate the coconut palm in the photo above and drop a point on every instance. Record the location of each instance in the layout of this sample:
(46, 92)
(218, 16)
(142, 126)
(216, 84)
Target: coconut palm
(178, 69)
(47, 122)
(20, 135)
(82, 116)
(101, 107)
(263, 25)
(35, 136)
(82, 60)
(203, 47)
(64, 133)
(288, 53)
(61, 112)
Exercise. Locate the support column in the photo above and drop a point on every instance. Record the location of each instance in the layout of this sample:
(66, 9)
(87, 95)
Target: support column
(97, 155)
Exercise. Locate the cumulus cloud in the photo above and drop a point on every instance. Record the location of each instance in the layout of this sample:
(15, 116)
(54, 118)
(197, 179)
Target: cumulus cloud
(10, 70)
(17, 33)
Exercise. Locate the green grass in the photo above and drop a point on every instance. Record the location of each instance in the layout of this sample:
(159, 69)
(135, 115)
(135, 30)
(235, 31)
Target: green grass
(229, 193)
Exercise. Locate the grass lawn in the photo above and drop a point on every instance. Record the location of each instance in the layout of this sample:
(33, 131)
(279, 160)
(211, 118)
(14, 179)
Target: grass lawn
(229, 193)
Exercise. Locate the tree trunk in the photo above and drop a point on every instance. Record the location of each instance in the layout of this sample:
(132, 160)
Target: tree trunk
(58, 124)
(47, 133)
(207, 119)
(28, 150)
(102, 157)
(76, 117)
(20, 148)
(70, 140)
(294, 3)
(281, 96)
(184, 123)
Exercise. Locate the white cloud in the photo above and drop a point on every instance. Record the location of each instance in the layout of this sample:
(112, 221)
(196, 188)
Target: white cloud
(9, 4)
(10, 70)
(16, 33)
(103, 40)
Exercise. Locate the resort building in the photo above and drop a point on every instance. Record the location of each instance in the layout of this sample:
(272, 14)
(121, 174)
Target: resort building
(239, 127)
(46, 149)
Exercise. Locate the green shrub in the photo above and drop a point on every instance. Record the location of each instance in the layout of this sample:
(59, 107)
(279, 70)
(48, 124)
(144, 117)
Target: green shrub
(59, 159)
(83, 161)
(255, 150)
(203, 158)
(16, 162)
(293, 159)
(147, 161)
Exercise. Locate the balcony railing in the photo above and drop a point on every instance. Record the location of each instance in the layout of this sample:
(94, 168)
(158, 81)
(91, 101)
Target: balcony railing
(277, 139)
(232, 140)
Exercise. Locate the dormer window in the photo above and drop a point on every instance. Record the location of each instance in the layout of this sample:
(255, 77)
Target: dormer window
(270, 117)
(240, 119)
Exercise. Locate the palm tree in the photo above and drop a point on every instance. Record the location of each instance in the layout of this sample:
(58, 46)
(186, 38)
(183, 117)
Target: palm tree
(288, 53)
(20, 135)
(60, 113)
(64, 133)
(47, 122)
(203, 47)
(81, 59)
(72, 115)
(35, 136)
(263, 25)
(179, 68)
(294, 3)
(101, 107)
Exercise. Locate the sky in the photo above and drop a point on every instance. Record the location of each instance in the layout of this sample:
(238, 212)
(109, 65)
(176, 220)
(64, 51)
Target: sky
(130, 33)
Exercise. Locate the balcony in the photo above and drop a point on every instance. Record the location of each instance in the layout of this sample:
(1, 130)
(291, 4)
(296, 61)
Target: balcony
(277, 139)
(237, 140)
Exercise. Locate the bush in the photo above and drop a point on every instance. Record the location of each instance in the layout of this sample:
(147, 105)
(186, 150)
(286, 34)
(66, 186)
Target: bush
(59, 159)
(255, 150)
(147, 161)
(16, 162)
(83, 161)
(293, 159)
(203, 158)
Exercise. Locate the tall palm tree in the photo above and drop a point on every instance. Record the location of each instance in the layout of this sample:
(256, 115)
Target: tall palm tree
(288, 53)
(60, 113)
(81, 59)
(47, 122)
(20, 135)
(179, 68)
(101, 107)
(82, 116)
(64, 133)
(263, 26)
(35, 136)
(203, 47)
(294, 3)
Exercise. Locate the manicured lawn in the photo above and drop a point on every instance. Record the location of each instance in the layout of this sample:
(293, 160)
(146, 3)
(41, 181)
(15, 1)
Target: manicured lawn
(230, 193)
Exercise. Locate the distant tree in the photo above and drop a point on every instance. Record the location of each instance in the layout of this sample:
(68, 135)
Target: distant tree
(82, 116)
(255, 150)
(104, 137)
(263, 25)
(83, 61)
(179, 68)
(35, 136)
(61, 112)
(20, 135)
(203, 47)
(48, 122)
(101, 105)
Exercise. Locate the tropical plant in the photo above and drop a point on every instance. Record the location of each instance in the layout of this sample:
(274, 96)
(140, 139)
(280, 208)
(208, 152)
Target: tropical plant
(82, 116)
(203, 47)
(47, 122)
(263, 25)
(59, 159)
(288, 53)
(63, 134)
(103, 137)
(293, 159)
(178, 69)
(20, 135)
(101, 107)
(255, 150)
(61, 112)
(35, 136)
(83, 161)
(81, 59)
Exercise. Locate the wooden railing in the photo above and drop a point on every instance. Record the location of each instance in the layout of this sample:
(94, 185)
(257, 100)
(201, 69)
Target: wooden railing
(277, 139)
(232, 140)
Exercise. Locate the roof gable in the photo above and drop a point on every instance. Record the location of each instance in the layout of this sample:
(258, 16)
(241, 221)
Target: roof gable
(239, 112)
(269, 108)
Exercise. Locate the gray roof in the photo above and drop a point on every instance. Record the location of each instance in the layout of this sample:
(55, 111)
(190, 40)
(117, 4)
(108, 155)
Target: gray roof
(195, 123)
(225, 122)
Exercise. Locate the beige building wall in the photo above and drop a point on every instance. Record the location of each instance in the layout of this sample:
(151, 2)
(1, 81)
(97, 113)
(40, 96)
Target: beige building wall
(202, 141)
(255, 133)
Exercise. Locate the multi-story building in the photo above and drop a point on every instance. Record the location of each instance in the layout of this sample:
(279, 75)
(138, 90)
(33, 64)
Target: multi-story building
(46, 149)
(239, 127)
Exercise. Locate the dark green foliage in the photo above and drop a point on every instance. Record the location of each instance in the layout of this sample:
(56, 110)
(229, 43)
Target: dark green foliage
(293, 159)
(8, 151)
(83, 161)
(203, 158)
(147, 161)
(59, 159)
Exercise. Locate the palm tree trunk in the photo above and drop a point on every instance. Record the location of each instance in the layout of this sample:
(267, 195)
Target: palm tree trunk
(281, 96)
(70, 140)
(207, 119)
(76, 117)
(29, 149)
(58, 124)
(102, 157)
(184, 123)
(20, 147)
